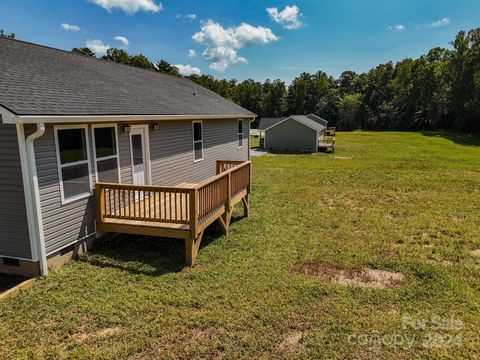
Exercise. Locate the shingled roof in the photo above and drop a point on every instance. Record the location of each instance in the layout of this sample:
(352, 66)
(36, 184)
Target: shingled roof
(38, 80)
(265, 123)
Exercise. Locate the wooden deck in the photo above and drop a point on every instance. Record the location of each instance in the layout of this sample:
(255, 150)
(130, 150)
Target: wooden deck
(326, 144)
(180, 212)
(331, 131)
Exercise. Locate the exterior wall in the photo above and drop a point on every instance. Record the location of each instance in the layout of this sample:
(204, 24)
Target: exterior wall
(171, 163)
(14, 236)
(62, 224)
(291, 136)
(171, 150)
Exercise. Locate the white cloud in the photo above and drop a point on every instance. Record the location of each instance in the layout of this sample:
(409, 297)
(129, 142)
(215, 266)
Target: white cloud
(289, 17)
(70, 27)
(129, 6)
(97, 46)
(187, 69)
(192, 53)
(398, 27)
(222, 44)
(122, 39)
(189, 17)
(442, 22)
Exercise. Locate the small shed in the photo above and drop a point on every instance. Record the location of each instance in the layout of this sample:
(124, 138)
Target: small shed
(296, 133)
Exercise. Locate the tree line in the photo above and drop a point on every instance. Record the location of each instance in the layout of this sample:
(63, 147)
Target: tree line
(437, 91)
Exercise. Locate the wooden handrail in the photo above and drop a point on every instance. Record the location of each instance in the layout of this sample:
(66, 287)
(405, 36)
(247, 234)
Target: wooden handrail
(224, 165)
(180, 205)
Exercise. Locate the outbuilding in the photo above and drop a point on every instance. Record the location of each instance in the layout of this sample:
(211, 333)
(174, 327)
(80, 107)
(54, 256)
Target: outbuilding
(295, 133)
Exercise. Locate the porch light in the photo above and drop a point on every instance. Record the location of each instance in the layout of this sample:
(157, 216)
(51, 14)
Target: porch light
(155, 126)
(127, 128)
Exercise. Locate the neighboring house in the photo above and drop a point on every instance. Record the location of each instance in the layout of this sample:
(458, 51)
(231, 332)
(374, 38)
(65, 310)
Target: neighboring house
(296, 133)
(81, 138)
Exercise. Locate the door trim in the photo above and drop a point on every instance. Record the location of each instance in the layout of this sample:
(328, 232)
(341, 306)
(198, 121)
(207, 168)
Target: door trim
(148, 174)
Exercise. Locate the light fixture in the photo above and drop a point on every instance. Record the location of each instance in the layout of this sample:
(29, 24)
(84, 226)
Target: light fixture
(127, 128)
(155, 126)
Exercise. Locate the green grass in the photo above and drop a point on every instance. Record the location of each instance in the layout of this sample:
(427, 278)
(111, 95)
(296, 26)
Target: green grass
(405, 202)
(254, 142)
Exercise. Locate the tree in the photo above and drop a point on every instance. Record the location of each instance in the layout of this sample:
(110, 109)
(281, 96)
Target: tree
(274, 98)
(83, 51)
(117, 55)
(166, 68)
(9, 36)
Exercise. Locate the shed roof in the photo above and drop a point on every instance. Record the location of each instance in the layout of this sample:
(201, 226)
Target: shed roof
(265, 123)
(38, 80)
(308, 122)
(318, 119)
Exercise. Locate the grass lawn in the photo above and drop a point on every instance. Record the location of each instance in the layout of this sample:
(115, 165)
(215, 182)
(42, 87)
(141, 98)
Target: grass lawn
(400, 202)
(254, 142)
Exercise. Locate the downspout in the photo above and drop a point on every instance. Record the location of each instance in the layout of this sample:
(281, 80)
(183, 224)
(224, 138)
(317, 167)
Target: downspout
(32, 167)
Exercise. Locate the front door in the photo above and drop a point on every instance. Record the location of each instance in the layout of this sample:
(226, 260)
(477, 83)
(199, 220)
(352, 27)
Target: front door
(138, 138)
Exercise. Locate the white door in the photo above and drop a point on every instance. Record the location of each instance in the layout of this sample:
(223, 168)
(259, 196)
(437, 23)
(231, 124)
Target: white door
(139, 155)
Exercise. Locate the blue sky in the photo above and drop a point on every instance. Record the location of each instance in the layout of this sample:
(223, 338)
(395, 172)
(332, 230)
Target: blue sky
(278, 39)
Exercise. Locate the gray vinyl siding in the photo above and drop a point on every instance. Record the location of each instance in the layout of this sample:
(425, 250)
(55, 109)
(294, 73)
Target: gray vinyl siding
(171, 150)
(14, 236)
(62, 224)
(171, 161)
(291, 135)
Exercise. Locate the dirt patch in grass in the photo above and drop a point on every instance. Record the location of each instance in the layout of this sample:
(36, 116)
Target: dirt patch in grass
(292, 342)
(475, 252)
(342, 158)
(8, 281)
(366, 277)
(103, 333)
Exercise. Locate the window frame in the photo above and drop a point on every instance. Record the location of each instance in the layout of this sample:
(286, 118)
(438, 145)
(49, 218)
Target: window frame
(95, 158)
(60, 166)
(197, 141)
(240, 134)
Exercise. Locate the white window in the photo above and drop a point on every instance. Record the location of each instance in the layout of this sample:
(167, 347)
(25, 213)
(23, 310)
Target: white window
(197, 140)
(105, 151)
(240, 133)
(73, 161)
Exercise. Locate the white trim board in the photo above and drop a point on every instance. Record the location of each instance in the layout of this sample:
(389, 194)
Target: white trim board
(33, 119)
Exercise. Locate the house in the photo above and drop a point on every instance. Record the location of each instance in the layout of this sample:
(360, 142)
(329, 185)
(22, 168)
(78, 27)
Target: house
(295, 133)
(90, 146)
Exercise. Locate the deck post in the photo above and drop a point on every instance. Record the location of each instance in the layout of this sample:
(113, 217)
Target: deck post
(246, 206)
(100, 202)
(191, 248)
(192, 242)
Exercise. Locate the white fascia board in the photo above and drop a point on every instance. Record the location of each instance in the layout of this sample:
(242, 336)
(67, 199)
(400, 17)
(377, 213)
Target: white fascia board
(7, 117)
(33, 119)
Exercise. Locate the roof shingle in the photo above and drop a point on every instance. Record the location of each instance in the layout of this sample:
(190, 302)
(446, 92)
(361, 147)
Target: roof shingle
(37, 80)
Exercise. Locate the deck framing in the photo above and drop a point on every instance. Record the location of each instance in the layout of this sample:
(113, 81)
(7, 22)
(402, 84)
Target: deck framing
(182, 212)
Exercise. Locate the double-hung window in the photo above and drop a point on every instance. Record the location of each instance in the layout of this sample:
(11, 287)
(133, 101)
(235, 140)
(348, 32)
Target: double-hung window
(240, 133)
(197, 140)
(106, 153)
(73, 161)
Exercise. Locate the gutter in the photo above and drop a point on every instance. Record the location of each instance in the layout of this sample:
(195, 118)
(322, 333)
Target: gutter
(35, 197)
(34, 119)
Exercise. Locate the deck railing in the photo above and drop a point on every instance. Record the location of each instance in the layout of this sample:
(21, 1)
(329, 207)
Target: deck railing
(179, 205)
(143, 203)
